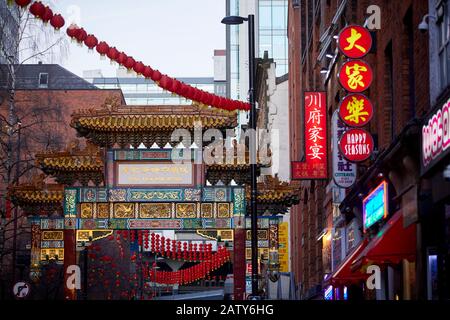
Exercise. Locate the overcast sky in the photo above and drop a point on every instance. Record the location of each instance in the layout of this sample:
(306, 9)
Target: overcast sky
(178, 37)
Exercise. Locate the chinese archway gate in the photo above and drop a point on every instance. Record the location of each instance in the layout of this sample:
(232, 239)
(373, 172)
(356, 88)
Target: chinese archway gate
(121, 187)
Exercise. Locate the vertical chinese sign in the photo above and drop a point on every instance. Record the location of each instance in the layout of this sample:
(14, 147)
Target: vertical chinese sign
(356, 77)
(316, 153)
(283, 246)
(344, 172)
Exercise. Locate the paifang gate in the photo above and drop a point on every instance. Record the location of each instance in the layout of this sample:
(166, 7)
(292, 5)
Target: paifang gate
(137, 222)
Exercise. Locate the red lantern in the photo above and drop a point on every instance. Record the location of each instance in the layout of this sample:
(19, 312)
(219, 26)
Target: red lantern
(165, 82)
(215, 101)
(57, 21)
(72, 31)
(139, 67)
(153, 242)
(47, 15)
(156, 75)
(200, 248)
(102, 48)
(148, 72)
(37, 9)
(163, 248)
(158, 248)
(113, 53)
(121, 58)
(183, 89)
(195, 252)
(168, 247)
(81, 35)
(174, 249)
(91, 41)
(129, 63)
(176, 87)
(23, 3)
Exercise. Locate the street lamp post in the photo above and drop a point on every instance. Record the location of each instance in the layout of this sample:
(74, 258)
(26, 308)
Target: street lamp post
(235, 20)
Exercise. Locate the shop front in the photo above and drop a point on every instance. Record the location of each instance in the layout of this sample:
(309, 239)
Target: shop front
(384, 204)
(435, 207)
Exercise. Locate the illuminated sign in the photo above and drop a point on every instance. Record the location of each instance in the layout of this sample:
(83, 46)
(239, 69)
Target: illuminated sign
(154, 174)
(356, 76)
(328, 294)
(356, 110)
(355, 42)
(356, 145)
(375, 206)
(315, 118)
(344, 172)
(436, 135)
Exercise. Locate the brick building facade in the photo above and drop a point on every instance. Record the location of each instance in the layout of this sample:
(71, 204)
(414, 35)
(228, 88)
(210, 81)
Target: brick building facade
(400, 94)
(44, 114)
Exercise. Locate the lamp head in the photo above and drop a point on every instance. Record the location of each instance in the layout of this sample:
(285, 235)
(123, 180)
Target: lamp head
(423, 26)
(233, 20)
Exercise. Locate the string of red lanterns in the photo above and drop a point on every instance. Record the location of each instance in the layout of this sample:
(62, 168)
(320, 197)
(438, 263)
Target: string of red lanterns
(172, 249)
(167, 83)
(194, 273)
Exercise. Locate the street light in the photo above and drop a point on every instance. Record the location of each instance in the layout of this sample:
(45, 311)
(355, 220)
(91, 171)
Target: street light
(236, 20)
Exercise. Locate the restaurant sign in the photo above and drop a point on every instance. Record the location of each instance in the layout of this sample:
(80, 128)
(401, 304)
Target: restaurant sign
(436, 137)
(344, 172)
(315, 165)
(355, 41)
(357, 145)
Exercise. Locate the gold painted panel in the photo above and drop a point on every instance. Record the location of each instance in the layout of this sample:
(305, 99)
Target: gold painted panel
(155, 210)
(186, 210)
(52, 236)
(124, 210)
(86, 211)
(223, 210)
(262, 235)
(207, 210)
(103, 210)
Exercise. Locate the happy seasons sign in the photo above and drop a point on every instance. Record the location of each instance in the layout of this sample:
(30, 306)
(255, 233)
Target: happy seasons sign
(356, 145)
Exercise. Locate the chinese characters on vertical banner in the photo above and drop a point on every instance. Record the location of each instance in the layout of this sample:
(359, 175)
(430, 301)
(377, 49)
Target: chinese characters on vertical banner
(315, 117)
(356, 110)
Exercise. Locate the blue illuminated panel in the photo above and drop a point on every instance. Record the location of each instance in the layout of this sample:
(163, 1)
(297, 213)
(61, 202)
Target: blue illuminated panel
(375, 206)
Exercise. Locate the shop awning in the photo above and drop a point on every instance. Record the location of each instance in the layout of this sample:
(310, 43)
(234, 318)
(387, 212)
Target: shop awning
(344, 274)
(391, 245)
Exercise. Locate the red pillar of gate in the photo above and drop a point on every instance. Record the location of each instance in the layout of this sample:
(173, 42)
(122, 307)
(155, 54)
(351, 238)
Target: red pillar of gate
(70, 259)
(239, 264)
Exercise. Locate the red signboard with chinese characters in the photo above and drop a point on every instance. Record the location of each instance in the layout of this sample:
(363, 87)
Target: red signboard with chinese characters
(315, 117)
(356, 145)
(355, 42)
(356, 110)
(355, 76)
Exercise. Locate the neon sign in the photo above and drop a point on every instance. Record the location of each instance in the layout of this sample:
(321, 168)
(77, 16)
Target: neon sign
(328, 294)
(436, 135)
(316, 165)
(375, 206)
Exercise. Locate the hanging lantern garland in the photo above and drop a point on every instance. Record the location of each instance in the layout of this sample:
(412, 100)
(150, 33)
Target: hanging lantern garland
(172, 85)
(194, 273)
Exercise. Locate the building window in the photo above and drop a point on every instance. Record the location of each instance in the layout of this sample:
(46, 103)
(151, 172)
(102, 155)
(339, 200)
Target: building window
(443, 10)
(43, 80)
